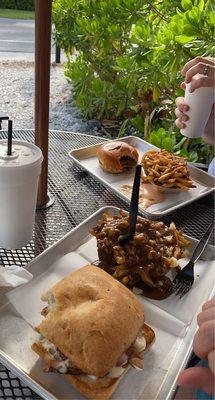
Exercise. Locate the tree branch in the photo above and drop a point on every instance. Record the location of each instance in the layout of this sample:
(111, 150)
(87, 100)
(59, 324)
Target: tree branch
(152, 7)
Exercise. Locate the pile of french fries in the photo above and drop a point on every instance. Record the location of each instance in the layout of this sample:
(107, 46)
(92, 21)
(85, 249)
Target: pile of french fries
(165, 169)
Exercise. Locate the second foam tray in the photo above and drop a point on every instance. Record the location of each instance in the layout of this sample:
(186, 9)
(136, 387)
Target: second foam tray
(86, 158)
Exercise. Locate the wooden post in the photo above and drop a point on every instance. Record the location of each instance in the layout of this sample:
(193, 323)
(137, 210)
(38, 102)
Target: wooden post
(42, 87)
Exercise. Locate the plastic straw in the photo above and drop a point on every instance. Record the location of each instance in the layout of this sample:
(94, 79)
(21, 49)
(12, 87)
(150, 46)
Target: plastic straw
(9, 137)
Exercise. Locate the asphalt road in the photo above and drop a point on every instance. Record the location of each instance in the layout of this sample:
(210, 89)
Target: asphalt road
(17, 39)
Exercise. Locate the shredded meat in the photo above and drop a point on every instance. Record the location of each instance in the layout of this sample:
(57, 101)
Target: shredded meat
(45, 311)
(55, 357)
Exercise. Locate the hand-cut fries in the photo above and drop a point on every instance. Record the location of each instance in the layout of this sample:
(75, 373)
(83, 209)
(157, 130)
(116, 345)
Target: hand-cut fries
(165, 169)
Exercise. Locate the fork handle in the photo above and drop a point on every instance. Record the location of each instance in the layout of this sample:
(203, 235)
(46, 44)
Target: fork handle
(202, 244)
(133, 211)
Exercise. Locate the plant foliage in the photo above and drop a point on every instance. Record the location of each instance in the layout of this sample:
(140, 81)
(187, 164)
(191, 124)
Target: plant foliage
(17, 4)
(125, 57)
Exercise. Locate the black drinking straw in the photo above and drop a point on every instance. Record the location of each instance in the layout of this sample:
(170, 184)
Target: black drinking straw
(9, 137)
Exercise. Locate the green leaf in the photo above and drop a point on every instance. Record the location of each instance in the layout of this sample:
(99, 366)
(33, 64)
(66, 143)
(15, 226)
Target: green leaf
(186, 4)
(182, 39)
(179, 144)
(167, 143)
(138, 122)
(134, 108)
(193, 156)
(124, 125)
(183, 153)
(155, 140)
(161, 133)
(156, 92)
(121, 107)
(200, 4)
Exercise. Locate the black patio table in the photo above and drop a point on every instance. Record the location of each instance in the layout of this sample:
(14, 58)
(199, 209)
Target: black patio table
(77, 195)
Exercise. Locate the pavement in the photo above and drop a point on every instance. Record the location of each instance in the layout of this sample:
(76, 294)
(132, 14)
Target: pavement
(17, 40)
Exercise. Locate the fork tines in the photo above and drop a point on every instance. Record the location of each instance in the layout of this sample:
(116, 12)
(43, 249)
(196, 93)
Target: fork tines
(180, 287)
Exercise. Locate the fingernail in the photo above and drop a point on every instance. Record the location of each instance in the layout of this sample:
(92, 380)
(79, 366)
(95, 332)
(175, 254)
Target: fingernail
(186, 108)
(183, 85)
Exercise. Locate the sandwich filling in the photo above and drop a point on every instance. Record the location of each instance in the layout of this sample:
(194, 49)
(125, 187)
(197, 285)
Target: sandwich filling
(127, 162)
(56, 361)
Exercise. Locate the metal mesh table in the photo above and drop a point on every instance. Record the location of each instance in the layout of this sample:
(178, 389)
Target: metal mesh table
(77, 196)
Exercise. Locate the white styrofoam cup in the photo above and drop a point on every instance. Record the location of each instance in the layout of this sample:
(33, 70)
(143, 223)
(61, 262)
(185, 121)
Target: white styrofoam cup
(19, 176)
(200, 102)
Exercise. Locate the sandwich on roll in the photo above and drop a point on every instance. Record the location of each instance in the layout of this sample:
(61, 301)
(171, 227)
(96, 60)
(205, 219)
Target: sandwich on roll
(117, 157)
(92, 332)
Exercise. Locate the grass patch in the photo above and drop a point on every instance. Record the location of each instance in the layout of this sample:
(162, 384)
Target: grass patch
(16, 14)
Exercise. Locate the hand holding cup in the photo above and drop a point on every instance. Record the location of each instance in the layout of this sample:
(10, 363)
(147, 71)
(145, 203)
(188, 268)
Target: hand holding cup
(195, 111)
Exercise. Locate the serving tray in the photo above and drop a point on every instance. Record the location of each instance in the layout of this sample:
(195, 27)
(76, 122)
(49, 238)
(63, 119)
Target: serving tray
(86, 158)
(173, 320)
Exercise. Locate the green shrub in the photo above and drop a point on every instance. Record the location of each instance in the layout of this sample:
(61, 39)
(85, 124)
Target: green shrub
(17, 4)
(129, 54)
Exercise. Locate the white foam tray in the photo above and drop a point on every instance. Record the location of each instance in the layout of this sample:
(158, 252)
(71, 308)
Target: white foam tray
(173, 320)
(86, 158)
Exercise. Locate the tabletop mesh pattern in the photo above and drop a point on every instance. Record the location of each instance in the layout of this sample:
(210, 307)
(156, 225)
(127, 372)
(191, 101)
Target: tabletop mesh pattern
(12, 388)
(77, 196)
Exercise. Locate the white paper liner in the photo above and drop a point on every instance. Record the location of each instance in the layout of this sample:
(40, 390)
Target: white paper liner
(117, 180)
(178, 313)
(164, 319)
(13, 276)
(184, 309)
(31, 293)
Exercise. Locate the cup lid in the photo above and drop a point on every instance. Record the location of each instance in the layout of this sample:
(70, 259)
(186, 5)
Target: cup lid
(24, 154)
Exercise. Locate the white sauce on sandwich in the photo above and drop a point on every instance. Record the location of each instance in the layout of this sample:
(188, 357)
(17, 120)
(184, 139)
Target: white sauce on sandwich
(116, 372)
(54, 354)
(140, 344)
(47, 345)
(62, 366)
(51, 302)
(92, 377)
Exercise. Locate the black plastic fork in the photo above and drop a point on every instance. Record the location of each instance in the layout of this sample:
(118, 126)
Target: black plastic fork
(133, 210)
(184, 280)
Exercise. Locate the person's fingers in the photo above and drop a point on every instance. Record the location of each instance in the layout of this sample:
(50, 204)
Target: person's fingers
(195, 61)
(198, 377)
(177, 112)
(203, 341)
(206, 315)
(201, 82)
(181, 105)
(211, 361)
(199, 69)
(181, 116)
(179, 124)
(184, 117)
(183, 85)
(209, 303)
